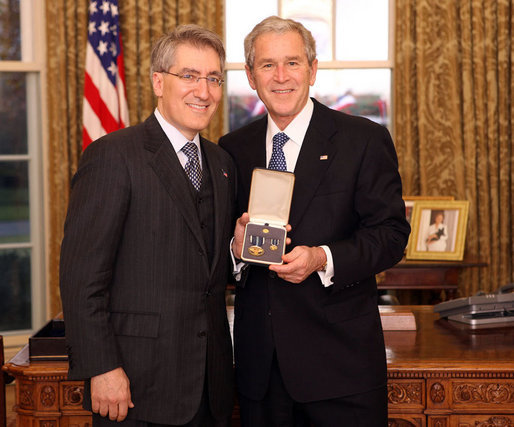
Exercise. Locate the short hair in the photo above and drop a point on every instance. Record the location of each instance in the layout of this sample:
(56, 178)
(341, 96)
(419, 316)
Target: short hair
(275, 24)
(163, 50)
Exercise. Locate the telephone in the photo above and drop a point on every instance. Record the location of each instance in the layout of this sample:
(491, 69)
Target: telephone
(481, 308)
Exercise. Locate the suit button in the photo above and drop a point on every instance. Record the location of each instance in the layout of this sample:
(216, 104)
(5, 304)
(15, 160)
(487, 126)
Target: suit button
(269, 312)
(202, 334)
(208, 293)
(272, 274)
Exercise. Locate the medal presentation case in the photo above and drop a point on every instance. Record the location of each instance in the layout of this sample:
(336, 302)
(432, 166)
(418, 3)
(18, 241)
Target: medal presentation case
(270, 201)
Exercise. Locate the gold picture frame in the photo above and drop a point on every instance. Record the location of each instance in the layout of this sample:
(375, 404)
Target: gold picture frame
(411, 200)
(438, 230)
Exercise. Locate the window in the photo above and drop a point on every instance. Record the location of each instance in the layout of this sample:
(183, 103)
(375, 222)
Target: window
(354, 46)
(21, 243)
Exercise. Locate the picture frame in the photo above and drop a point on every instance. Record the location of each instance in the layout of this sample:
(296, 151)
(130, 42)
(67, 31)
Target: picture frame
(438, 230)
(411, 200)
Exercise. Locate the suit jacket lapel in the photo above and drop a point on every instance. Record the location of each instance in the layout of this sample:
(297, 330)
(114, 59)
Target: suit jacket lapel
(219, 185)
(256, 149)
(166, 165)
(254, 156)
(315, 157)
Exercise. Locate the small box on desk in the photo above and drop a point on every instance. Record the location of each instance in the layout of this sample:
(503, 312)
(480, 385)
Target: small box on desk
(49, 342)
(270, 201)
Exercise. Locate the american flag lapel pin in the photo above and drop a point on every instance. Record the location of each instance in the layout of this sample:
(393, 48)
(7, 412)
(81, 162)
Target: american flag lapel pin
(224, 172)
(323, 157)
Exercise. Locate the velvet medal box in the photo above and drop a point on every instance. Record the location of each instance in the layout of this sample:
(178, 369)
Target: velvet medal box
(48, 343)
(269, 205)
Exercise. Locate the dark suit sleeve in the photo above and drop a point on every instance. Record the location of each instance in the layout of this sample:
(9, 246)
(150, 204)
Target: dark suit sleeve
(382, 231)
(98, 204)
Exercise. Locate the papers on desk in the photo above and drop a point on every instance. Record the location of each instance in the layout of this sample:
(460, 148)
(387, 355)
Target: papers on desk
(22, 357)
(395, 319)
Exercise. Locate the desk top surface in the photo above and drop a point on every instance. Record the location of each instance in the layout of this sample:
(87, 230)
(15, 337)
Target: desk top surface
(436, 344)
(440, 343)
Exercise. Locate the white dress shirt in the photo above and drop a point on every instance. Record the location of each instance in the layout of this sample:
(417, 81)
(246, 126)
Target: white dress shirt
(177, 139)
(296, 131)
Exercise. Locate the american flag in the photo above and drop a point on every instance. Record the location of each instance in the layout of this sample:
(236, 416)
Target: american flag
(105, 103)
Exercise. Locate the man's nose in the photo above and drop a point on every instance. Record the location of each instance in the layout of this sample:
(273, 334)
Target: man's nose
(280, 73)
(201, 89)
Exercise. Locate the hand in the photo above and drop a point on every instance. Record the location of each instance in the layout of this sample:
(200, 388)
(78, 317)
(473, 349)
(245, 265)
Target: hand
(110, 394)
(300, 263)
(432, 238)
(239, 232)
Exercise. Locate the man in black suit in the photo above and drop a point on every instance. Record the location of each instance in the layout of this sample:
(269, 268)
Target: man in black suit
(309, 347)
(144, 260)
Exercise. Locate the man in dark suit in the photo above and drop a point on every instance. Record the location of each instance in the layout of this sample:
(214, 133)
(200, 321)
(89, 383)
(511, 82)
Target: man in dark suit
(309, 347)
(144, 260)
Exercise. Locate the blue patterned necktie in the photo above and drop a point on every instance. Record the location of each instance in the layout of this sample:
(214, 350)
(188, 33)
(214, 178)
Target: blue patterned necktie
(192, 167)
(278, 159)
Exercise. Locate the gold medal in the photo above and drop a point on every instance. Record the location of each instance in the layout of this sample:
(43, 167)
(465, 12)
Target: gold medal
(256, 250)
(273, 247)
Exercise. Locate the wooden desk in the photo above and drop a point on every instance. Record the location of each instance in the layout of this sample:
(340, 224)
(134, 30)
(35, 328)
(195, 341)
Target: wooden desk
(447, 375)
(44, 398)
(442, 375)
(2, 385)
(416, 275)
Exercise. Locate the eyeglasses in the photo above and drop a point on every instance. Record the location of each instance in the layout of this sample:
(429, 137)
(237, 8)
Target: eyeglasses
(191, 79)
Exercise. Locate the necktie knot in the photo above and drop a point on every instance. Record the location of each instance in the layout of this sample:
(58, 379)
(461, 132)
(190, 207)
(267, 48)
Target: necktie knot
(278, 159)
(192, 167)
(279, 139)
(190, 150)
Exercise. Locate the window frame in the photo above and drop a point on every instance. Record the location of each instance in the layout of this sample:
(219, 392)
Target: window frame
(335, 64)
(32, 62)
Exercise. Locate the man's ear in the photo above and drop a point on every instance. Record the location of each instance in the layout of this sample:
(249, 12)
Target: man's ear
(314, 70)
(157, 83)
(250, 77)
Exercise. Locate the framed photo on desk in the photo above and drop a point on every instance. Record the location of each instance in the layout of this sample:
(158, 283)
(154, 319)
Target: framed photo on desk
(411, 200)
(438, 230)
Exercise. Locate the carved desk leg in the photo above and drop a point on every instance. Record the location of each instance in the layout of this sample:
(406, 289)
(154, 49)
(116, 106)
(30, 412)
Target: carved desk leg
(71, 398)
(50, 402)
(37, 403)
(406, 399)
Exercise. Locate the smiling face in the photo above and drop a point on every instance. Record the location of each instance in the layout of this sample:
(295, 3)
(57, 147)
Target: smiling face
(281, 75)
(189, 107)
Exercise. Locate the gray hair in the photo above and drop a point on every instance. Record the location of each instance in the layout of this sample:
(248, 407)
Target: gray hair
(275, 24)
(163, 50)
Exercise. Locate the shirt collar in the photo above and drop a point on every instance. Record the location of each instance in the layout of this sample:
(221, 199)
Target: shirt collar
(297, 129)
(174, 135)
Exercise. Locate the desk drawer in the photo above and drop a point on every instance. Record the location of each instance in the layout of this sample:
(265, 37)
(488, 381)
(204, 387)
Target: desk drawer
(481, 421)
(471, 395)
(406, 395)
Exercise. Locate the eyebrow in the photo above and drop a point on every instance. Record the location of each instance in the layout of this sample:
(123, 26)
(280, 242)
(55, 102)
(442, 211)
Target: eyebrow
(287, 58)
(290, 58)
